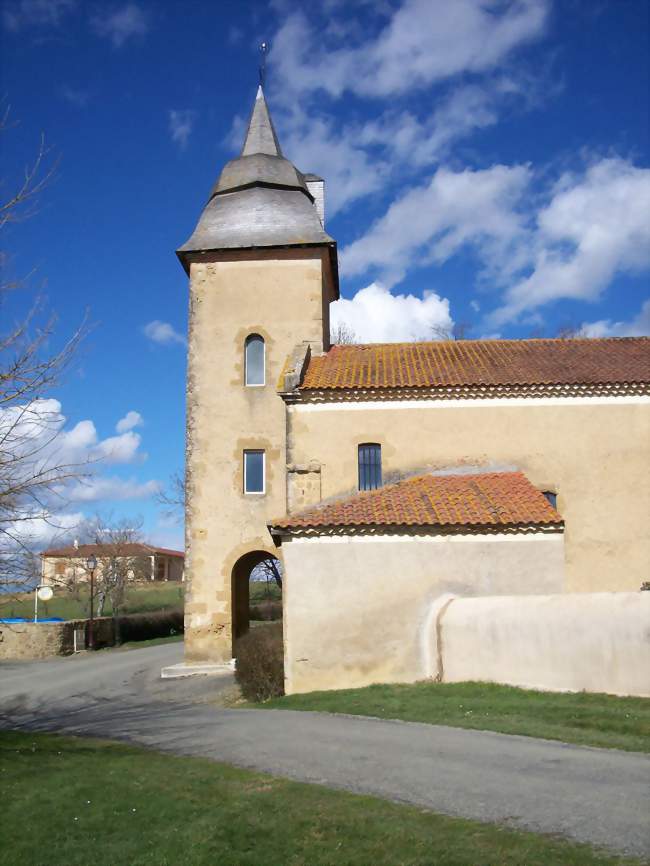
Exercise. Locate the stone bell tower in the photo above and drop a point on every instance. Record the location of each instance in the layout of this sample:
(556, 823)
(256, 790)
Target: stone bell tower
(262, 272)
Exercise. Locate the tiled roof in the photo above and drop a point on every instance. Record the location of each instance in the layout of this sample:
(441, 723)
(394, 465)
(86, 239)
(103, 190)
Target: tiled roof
(130, 549)
(481, 363)
(491, 500)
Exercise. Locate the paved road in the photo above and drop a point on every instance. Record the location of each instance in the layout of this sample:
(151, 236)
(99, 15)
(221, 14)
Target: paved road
(591, 795)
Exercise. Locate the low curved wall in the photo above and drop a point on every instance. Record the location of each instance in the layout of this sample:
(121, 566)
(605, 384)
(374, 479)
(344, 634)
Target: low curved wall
(596, 642)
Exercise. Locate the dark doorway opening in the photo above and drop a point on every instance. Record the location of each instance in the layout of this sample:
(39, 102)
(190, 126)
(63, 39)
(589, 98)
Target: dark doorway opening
(263, 571)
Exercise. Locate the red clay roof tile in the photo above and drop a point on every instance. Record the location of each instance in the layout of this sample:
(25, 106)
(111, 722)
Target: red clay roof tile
(481, 362)
(127, 549)
(490, 499)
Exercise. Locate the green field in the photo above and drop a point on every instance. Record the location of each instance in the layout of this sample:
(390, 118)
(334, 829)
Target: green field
(73, 802)
(140, 598)
(586, 719)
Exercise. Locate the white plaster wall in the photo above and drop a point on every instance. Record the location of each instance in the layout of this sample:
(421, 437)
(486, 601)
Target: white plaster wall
(597, 642)
(356, 610)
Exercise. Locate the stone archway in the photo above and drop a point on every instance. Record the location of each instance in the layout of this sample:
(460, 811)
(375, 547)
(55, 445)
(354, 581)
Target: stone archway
(240, 590)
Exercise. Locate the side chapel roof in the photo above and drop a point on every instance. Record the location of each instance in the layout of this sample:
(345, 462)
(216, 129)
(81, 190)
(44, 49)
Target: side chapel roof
(488, 501)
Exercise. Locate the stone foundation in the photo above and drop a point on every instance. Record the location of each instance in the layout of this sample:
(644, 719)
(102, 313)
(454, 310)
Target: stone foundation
(39, 640)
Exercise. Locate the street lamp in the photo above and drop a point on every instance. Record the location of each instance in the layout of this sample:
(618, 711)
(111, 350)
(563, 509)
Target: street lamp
(91, 565)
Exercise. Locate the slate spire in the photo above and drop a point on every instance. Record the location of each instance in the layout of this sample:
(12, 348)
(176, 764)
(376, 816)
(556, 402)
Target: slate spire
(261, 136)
(261, 200)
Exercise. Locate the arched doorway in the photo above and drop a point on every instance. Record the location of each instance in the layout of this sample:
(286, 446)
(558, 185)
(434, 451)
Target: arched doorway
(264, 564)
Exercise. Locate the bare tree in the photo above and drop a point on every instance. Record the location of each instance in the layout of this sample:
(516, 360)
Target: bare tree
(173, 496)
(33, 471)
(269, 570)
(120, 560)
(458, 331)
(343, 335)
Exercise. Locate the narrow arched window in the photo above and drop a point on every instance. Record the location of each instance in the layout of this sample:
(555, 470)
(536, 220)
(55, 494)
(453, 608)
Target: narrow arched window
(369, 466)
(254, 360)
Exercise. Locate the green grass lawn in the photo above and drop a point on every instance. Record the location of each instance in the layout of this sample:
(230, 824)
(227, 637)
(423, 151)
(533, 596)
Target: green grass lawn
(586, 719)
(140, 598)
(261, 590)
(75, 802)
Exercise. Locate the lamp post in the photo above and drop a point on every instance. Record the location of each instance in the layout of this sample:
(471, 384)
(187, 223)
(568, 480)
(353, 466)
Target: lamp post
(91, 565)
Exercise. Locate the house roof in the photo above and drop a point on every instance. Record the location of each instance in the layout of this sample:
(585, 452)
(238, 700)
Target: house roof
(444, 364)
(489, 500)
(133, 549)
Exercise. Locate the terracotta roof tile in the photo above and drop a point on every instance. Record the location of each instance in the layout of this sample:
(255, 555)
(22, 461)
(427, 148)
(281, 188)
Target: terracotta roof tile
(490, 499)
(128, 549)
(481, 362)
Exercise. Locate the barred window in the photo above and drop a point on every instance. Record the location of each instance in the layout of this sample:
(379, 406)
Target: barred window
(369, 466)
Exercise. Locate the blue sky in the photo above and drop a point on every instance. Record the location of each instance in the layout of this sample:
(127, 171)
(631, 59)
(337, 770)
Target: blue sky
(486, 163)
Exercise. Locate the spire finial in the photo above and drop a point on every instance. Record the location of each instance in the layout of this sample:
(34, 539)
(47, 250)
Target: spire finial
(264, 48)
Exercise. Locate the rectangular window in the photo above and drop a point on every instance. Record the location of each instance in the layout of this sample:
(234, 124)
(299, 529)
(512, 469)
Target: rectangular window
(369, 466)
(253, 472)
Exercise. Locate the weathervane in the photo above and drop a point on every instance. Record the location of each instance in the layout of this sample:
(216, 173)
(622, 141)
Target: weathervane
(264, 47)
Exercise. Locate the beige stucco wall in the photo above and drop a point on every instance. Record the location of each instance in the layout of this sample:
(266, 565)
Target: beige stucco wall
(594, 452)
(599, 642)
(283, 296)
(358, 610)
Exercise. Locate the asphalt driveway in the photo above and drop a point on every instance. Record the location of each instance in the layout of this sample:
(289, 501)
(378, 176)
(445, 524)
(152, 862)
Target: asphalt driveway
(591, 795)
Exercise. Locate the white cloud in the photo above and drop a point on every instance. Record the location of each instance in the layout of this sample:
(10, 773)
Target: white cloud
(589, 227)
(422, 42)
(37, 433)
(131, 419)
(45, 528)
(121, 24)
(639, 326)
(109, 488)
(120, 449)
(314, 144)
(181, 123)
(375, 315)
(39, 429)
(594, 227)
(163, 333)
(431, 222)
(23, 14)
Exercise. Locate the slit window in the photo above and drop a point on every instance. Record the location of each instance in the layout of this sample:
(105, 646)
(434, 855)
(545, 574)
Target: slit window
(254, 472)
(254, 360)
(369, 466)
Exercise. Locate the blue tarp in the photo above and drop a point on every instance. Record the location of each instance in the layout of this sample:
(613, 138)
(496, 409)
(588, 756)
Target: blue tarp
(11, 619)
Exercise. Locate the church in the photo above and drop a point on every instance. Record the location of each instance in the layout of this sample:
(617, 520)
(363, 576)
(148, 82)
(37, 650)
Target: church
(384, 477)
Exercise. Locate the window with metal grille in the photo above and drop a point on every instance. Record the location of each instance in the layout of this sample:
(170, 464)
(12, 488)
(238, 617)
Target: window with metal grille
(254, 360)
(369, 466)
